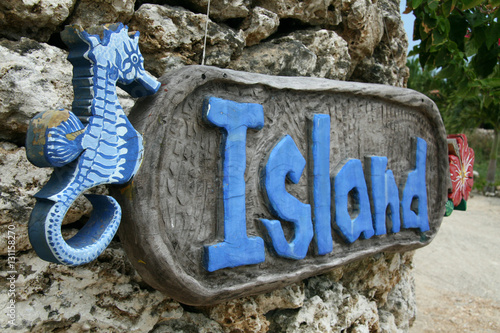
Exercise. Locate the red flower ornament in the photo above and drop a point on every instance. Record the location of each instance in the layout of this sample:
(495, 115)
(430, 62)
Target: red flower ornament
(461, 159)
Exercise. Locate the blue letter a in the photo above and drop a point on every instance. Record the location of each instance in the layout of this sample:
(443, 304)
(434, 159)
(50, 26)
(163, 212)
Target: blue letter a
(351, 178)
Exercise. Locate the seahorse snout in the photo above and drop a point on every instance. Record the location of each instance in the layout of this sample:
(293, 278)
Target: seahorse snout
(142, 86)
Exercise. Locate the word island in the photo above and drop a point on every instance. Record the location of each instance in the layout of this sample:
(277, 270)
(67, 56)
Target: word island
(285, 160)
(250, 182)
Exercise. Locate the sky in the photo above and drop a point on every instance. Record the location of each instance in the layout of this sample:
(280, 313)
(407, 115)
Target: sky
(408, 20)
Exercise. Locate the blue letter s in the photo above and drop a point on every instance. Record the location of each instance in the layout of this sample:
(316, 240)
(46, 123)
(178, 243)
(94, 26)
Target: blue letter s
(286, 160)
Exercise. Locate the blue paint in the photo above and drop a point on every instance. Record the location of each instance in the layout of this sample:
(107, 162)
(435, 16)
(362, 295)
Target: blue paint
(284, 161)
(93, 145)
(234, 119)
(321, 183)
(351, 178)
(384, 193)
(415, 189)
(59, 148)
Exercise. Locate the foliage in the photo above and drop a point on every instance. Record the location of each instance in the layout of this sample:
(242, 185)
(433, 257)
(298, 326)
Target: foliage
(461, 39)
(481, 140)
(427, 81)
(456, 32)
(459, 54)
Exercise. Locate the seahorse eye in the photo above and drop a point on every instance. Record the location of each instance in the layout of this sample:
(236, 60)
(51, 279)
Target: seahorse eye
(134, 58)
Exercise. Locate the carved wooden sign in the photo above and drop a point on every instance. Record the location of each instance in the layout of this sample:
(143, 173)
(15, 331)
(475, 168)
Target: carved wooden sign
(250, 182)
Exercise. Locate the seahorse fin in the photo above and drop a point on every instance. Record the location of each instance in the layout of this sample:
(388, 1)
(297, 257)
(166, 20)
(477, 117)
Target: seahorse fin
(54, 138)
(63, 148)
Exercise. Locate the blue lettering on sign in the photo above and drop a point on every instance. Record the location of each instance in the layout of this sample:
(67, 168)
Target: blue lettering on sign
(384, 193)
(347, 189)
(321, 182)
(350, 181)
(234, 118)
(284, 161)
(415, 191)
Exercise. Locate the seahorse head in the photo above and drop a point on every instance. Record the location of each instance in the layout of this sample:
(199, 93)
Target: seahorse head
(117, 50)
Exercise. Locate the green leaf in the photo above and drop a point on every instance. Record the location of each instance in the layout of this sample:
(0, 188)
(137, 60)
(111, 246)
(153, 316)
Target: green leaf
(449, 207)
(433, 5)
(488, 102)
(417, 49)
(470, 48)
(492, 34)
(458, 29)
(443, 24)
(424, 56)
(497, 12)
(424, 31)
(416, 29)
(446, 72)
(458, 55)
(429, 23)
(476, 18)
(462, 205)
(478, 37)
(416, 3)
(438, 37)
(490, 83)
(428, 45)
(467, 4)
(447, 7)
(442, 58)
(413, 52)
(485, 61)
(463, 87)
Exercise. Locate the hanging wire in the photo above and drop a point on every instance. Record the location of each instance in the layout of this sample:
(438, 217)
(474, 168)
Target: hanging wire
(205, 39)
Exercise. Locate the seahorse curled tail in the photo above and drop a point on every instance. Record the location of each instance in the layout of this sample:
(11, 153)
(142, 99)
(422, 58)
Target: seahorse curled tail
(45, 228)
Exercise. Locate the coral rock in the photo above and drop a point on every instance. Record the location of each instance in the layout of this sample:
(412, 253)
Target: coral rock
(33, 19)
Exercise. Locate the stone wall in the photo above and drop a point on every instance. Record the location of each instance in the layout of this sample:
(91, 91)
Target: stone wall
(357, 40)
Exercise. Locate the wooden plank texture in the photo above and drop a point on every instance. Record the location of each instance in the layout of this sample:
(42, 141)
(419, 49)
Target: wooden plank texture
(174, 206)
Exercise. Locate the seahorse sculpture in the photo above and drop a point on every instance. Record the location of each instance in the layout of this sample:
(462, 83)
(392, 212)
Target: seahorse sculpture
(92, 145)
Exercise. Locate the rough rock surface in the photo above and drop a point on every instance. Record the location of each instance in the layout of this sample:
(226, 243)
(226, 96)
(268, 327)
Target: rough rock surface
(359, 40)
(318, 53)
(363, 28)
(310, 12)
(175, 35)
(222, 10)
(387, 64)
(19, 180)
(34, 77)
(108, 295)
(259, 25)
(33, 19)
(95, 12)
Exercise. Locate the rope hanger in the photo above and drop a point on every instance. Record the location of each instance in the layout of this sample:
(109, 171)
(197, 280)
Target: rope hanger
(205, 39)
